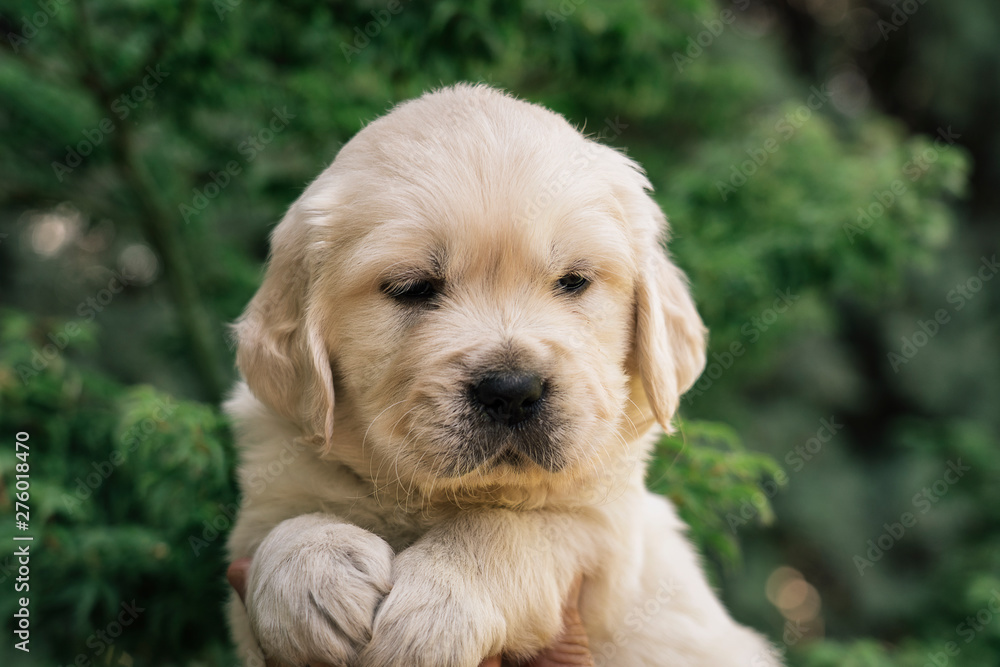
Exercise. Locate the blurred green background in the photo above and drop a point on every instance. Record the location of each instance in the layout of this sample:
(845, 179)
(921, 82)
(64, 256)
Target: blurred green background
(831, 171)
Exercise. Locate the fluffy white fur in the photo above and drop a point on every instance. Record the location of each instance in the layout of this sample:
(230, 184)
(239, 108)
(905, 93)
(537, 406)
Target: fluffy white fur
(382, 529)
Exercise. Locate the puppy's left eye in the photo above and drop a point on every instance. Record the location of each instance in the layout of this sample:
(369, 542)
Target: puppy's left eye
(410, 291)
(572, 283)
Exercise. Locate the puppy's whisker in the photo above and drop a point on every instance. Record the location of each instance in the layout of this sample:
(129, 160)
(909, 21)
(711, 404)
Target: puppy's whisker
(376, 475)
(602, 474)
(368, 430)
(638, 410)
(413, 477)
(371, 459)
(620, 480)
(402, 447)
(413, 481)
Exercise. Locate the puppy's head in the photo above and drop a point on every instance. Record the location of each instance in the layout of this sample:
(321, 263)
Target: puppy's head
(473, 293)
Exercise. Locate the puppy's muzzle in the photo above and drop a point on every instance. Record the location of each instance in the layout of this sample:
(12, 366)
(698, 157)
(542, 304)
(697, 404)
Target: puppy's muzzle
(509, 398)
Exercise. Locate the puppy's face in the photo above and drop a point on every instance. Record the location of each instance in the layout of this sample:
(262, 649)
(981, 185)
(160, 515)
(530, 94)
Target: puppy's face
(465, 298)
(469, 341)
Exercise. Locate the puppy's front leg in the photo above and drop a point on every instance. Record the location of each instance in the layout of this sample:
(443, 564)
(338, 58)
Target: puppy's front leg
(481, 583)
(313, 589)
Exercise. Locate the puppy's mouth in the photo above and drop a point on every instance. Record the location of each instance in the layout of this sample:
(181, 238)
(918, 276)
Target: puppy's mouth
(481, 443)
(516, 459)
(509, 457)
(487, 448)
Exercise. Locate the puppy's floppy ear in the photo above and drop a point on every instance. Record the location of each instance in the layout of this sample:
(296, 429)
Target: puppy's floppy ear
(281, 352)
(670, 338)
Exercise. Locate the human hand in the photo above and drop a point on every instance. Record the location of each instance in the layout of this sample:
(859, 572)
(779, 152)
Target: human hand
(571, 649)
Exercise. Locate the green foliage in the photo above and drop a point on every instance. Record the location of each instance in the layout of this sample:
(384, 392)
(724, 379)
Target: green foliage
(864, 653)
(714, 482)
(129, 497)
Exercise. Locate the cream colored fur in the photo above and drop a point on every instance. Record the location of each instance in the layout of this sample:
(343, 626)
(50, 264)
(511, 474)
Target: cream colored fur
(377, 536)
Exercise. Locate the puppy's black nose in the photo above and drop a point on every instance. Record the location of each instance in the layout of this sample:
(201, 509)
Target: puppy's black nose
(509, 398)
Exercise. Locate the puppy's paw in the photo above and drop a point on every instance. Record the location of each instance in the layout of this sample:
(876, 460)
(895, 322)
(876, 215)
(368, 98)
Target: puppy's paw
(433, 618)
(313, 590)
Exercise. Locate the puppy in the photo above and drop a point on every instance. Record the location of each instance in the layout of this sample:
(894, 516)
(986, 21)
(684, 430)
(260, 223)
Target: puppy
(465, 345)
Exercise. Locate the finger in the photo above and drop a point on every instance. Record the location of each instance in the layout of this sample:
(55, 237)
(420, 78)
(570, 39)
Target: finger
(237, 576)
(573, 597)
(572, 648)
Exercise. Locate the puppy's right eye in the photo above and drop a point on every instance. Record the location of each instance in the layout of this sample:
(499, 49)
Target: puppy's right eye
(410, 291)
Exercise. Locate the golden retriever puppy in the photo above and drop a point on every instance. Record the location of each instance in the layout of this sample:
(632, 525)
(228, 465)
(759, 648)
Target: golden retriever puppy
(465, 345)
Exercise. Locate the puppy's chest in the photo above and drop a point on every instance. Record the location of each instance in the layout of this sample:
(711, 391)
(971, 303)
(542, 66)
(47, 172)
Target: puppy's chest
(395, 525)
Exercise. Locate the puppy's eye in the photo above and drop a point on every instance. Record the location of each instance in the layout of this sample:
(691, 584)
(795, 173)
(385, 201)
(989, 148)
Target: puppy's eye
(410, 291)
(572, 283)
